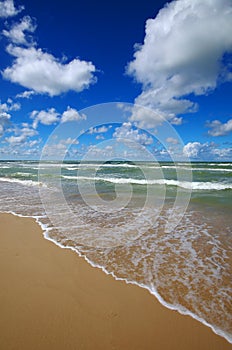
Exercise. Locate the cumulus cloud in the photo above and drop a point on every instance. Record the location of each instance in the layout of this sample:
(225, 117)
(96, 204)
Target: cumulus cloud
(100, 137)
(145, 117)
(8, 9)
(193, 149)
(26, 94)
(20, 146)
(71, 115)
(17, 35)
(127, 134)
(43, 73)
(182, 54)
(100, 130)
(4, 121)
(49, 117)
(27, 131)
(5, 117)
(222, 153)
(70, 141)
(104, 152)
(9, 106)
(219, 129)
(63, 146)
(15, 140)
(206, 151)
(21, 135)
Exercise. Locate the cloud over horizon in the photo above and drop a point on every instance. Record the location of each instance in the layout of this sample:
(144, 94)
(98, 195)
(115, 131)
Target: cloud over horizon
(205, 151)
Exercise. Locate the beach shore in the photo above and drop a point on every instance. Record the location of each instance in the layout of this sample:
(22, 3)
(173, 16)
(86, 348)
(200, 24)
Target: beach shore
(52, 299)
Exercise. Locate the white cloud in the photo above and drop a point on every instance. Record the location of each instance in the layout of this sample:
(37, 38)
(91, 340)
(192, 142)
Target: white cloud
(172, 140)
(44, 74)
(5, 116)
(70, 141)
(9, 106)
(182, 54)
(3, 107)
(51, 116)
(15, 140)
(176, 120)
(145, 117)
(219, 129)
(127, 134)
(33, 143)
(100, 130)
(17, 32)
(8, 9)
(21, 135)
(100, 137)
(222, 153)
(19, 146)
(63, 145)
(26, 94)
(103, 152)
(71, 115)
(48, 117)
(206, 151)
(193, 149)
(27, 131)
(4, 121)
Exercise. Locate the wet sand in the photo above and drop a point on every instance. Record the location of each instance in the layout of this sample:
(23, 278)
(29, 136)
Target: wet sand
(52, 299)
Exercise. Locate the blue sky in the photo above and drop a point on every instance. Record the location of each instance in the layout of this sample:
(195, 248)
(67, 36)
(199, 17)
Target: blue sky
(173, 60)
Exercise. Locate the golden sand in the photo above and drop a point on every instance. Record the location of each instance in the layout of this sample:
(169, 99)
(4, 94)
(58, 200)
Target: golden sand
(52, 299)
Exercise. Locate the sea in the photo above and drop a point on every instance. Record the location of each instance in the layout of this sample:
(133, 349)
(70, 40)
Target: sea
(163, 226)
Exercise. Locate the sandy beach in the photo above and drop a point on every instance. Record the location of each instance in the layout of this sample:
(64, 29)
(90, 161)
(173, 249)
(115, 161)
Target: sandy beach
(52, 299)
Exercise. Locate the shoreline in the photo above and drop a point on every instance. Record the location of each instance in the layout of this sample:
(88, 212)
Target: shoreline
(154, 292)
(52, 299)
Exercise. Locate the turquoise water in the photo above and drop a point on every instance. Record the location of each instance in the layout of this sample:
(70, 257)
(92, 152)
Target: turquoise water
(164, 226)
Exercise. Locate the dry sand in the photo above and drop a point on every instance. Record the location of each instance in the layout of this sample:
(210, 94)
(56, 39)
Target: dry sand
(52, 299)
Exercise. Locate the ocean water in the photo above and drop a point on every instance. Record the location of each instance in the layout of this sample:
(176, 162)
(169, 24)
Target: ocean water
(163, 226)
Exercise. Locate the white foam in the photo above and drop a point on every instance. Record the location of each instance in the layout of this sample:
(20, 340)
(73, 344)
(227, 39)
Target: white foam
(220, 164)
(23, 182)
(196, 169)
(152, 289)
(19, 173)
(182, 310)
(183, 184)
(99, 165)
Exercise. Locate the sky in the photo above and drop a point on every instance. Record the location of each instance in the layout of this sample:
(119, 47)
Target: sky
(159, 75)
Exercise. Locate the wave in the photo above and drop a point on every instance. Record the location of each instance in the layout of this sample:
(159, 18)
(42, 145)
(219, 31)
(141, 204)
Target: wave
(220, 164)
(5, 167)
(188, 167)
(151, 288)
(23, 174)
(78, 166)
(212, 169)
(23, 182)
(195, 169)
(182, 184)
